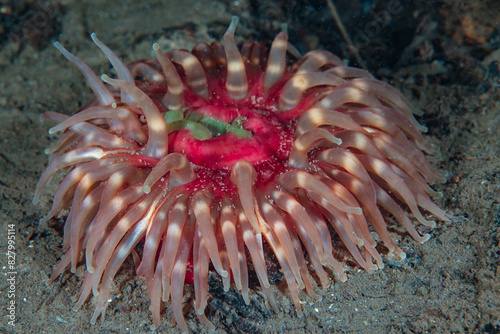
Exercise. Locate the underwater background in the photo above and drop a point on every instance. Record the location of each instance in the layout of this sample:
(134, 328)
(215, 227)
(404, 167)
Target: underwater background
(444, 56)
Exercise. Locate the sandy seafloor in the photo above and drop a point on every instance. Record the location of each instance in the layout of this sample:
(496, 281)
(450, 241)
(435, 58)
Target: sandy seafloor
(443, 55)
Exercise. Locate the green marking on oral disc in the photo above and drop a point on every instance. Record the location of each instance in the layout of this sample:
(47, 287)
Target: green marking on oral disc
(173, 115)
(198, 130)
(204, 127)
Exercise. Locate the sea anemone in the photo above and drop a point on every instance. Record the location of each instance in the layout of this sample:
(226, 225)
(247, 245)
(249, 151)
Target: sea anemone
(220, 156)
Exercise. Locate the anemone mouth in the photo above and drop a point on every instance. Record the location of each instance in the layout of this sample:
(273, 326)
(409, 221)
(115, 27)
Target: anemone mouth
(218, 137)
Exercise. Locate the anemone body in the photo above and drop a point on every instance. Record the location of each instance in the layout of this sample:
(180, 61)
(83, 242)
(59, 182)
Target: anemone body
(216, 157)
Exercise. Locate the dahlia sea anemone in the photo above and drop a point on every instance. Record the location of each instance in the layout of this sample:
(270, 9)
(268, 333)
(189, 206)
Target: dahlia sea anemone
(220, 156)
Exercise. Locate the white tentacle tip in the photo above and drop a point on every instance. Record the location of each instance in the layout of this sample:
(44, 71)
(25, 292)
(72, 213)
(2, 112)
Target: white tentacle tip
(146, 189)
(106, 78)
(357, 210)
(284, 27)
(234, 23)
(425, 238)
